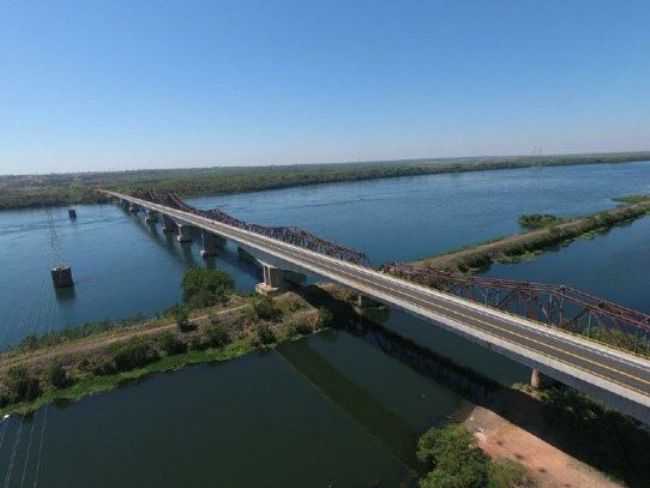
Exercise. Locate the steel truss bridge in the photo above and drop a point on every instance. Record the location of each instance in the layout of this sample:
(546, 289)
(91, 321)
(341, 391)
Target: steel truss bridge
(533, 324)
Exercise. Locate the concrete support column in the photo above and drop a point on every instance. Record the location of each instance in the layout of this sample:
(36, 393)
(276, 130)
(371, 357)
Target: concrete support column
(184, 233)
(62, 277)
(133, 208)
(273, 280)
(211, 243)
(152, 217)
(536, 380)
(169, 225)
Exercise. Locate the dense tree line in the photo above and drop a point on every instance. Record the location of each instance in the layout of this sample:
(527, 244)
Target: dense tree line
(66, 189)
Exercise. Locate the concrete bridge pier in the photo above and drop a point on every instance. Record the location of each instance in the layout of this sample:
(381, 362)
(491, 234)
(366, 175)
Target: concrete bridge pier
(169, 226)
(211, 244)
(273, 283)
(152, 217)
(133, 208)
(536, 379)
(184, 233)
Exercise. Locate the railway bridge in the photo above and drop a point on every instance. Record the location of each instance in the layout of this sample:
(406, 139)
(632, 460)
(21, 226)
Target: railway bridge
(618, 378)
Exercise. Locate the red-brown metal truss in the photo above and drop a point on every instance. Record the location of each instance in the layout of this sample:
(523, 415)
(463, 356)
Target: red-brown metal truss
(556, 305)
(290, 235)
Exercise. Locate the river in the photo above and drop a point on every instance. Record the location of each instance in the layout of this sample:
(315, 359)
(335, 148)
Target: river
(331, 410)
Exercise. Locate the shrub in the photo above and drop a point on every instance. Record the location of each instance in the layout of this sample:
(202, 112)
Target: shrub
(171, 345)
(21, 386)
(265, 309)
(58, 376)
(217, 336)
(196, 344)
(134, 355)
(206, 287)
(505, 473)
(455, 461)
(265, 334)
(183, 319)
(325, 317)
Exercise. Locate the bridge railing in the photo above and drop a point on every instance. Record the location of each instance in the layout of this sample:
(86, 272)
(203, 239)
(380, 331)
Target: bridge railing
(556, 305)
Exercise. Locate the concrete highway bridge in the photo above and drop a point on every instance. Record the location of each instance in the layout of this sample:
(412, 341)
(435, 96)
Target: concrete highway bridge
(620, 379)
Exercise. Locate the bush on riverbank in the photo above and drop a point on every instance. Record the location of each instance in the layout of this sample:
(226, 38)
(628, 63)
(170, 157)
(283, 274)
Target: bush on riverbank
(58, 377)
(20, 386)
(538, 221)
(206, 287)
(134, 355)
(453, 459)
(265, 309)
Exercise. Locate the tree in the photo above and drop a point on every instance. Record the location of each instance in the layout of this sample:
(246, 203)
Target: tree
(183, 319)
(21, 385)
(206, 287)
(134, 355)
(58, 376)
(265, 334)
(217, 336)
(454, 459)
(171, 345)
(325, 317)
(265, 309)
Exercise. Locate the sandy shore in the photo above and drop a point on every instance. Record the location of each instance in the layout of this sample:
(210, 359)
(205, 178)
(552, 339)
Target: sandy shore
(548, 466)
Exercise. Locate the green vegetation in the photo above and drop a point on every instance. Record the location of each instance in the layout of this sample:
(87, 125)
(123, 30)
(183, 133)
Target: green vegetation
(632, 199)
(58, 376)
(518, 247)
(265, 309)
(73, 363)
(454, 461)
(206, 287)
(66, 189)
(538, 221)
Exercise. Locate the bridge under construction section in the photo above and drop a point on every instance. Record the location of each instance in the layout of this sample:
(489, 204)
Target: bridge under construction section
(620, 379)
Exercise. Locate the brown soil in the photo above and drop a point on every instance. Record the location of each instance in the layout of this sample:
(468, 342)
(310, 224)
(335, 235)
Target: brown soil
(547, 465)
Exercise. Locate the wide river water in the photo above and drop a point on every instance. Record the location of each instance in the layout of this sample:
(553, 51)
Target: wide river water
(331, 410)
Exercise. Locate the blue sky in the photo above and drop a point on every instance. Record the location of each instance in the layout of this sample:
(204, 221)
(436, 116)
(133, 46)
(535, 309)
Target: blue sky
(98, 85)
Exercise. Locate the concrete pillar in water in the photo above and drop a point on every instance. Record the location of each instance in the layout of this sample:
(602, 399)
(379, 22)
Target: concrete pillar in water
(184, 233)
(273, 281)
(152, 217)
(536, 380)
(169, 225)
(211, 242)
(62, 277)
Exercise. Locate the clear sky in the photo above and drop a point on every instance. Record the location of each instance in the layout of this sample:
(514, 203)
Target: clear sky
(98, 85)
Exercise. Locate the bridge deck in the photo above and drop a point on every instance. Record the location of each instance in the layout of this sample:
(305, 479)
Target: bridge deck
(620, 379)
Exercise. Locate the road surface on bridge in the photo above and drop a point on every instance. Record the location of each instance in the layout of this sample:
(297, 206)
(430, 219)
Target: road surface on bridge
(620, 379)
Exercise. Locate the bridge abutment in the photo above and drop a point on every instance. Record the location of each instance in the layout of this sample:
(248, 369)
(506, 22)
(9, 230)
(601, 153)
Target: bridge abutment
(273, 283)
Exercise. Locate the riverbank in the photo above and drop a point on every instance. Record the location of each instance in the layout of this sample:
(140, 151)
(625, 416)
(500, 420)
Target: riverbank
(527, 245)
(73, 369)
(31, 191)
(548, 466)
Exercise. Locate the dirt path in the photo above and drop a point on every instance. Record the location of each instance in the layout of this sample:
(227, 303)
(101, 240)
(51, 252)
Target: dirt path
(99, 341)
(550, 467)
